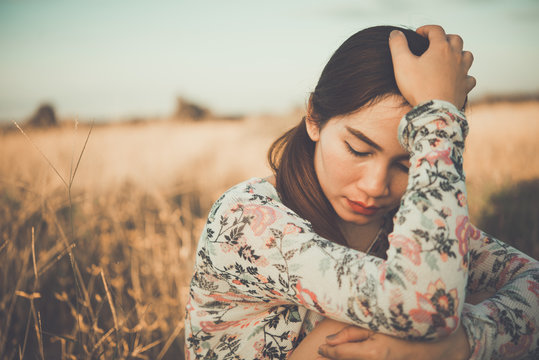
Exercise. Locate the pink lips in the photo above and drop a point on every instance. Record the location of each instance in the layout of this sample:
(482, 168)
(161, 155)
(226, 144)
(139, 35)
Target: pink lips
(361, 208)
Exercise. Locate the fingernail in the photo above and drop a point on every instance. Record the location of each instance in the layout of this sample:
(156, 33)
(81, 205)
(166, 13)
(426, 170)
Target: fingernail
(331, 337)
(395, 33)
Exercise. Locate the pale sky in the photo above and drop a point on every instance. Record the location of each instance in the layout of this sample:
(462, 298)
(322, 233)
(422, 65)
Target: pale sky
(106, 59)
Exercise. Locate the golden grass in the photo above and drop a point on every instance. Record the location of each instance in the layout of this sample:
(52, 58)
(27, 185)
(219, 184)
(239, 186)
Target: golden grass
(102, 271)
(501, 149)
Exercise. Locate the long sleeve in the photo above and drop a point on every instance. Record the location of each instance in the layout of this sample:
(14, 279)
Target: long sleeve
(256, 251)
(504, 326)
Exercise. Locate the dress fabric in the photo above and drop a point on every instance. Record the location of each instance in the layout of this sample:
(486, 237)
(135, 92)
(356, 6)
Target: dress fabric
(263, 278)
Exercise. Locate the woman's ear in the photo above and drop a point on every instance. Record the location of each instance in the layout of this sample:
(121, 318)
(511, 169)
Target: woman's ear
(313, 128)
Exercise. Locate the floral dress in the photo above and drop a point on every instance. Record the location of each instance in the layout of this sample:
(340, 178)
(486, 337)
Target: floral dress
(263, 278)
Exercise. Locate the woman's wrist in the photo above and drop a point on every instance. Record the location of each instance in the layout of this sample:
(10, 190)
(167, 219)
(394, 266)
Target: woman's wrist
(429, 117)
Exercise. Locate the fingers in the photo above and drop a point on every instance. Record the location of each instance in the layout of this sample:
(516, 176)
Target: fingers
(353, 351)
(432, 32)
(349, 334)
(437, 33)
(467, 60)
(455, 41)
(470, 83)
(346, 351)
(398, 45)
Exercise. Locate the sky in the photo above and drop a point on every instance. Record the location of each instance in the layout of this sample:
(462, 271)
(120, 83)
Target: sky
(131, 58)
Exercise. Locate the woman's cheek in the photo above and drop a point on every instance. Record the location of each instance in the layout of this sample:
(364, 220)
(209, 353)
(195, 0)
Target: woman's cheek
(400, 182)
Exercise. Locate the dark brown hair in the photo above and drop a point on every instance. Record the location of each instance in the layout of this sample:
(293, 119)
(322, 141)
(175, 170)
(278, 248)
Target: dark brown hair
(359, 73)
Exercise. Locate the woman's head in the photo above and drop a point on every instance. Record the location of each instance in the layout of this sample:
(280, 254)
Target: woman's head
(360, 72)
(357, 77)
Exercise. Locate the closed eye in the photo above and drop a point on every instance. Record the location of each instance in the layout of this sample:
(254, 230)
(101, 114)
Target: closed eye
(402, 167)
(357, 153)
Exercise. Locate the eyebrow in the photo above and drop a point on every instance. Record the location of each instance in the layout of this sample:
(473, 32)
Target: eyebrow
(368, 141)
(363, 138)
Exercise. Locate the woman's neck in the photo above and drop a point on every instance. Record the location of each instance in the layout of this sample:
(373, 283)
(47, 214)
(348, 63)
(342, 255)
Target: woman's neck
(360, 237)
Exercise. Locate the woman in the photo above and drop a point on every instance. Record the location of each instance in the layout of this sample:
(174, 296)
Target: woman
(280, 255)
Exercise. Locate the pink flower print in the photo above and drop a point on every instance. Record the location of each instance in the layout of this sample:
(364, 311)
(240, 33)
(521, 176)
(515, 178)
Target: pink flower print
(435, 155)
(262, 278)
(446, 211)
(461, 198)
(465, 232)
(534, 288)
(516, 350)
(270, 243)
(291, 229)
(440, 124)
(202, 313)
(382, 268)
(396, 297)
(408, 248)
(212, 326)
(261, 261)
(300, 291)
(509, 350)
(515, 264)
(437, 307)
(259, 345)
(261, 217)
(226, 247)
(440, 223)
(411, 276)
(450, 115)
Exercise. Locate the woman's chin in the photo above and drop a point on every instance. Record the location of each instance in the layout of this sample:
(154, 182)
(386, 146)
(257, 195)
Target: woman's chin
(359, 219)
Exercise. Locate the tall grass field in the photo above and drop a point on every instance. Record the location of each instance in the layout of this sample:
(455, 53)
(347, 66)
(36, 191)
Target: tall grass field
(99, 225)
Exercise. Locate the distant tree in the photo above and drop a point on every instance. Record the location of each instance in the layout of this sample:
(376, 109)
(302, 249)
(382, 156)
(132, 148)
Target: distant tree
(188, 110)
(43, 117)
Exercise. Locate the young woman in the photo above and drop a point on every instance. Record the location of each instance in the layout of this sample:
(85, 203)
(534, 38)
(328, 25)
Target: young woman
(365, 223)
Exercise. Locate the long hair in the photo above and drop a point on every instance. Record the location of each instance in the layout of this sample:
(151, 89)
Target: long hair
(358, 74)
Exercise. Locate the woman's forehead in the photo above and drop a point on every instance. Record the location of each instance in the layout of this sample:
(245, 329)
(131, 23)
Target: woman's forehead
(382, 114)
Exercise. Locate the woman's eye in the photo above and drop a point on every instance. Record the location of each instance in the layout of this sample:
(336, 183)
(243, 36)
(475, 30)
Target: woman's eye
(403, 167)
(357, 153)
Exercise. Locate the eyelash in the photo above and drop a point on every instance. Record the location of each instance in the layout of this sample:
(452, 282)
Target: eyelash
(355, 153)
(403, 167)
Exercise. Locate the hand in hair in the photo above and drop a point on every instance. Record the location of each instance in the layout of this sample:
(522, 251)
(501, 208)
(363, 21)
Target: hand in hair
(356, 343)
(440, 73)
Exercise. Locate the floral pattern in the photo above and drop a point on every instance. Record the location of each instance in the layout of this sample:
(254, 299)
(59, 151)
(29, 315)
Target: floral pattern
(263, 279)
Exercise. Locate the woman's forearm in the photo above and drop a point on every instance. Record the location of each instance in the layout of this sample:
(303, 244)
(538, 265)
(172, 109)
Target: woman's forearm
(351, 342)
(501, 317)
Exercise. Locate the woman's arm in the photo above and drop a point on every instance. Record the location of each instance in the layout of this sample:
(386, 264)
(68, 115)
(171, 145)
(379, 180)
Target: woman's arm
(335, 340)
(506, 324)
(500, 318)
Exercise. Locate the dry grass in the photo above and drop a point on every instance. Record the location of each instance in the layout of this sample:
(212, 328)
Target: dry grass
(102, 272)
(501, 149)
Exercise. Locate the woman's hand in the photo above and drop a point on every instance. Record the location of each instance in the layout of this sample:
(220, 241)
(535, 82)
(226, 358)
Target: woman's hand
(355, 343)
(441, 73)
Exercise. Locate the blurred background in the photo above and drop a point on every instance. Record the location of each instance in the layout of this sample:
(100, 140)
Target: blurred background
(99, 223)
(115, 59)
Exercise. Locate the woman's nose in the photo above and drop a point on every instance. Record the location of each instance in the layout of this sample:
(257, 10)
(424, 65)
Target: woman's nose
(375, 181)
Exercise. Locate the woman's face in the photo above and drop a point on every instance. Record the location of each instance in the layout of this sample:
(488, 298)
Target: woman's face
(359, 162)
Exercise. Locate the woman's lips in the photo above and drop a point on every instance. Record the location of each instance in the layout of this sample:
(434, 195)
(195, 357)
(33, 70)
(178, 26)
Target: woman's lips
(361, 208)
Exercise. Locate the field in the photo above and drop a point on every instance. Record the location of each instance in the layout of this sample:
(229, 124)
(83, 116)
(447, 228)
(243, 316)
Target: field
(96, 256)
